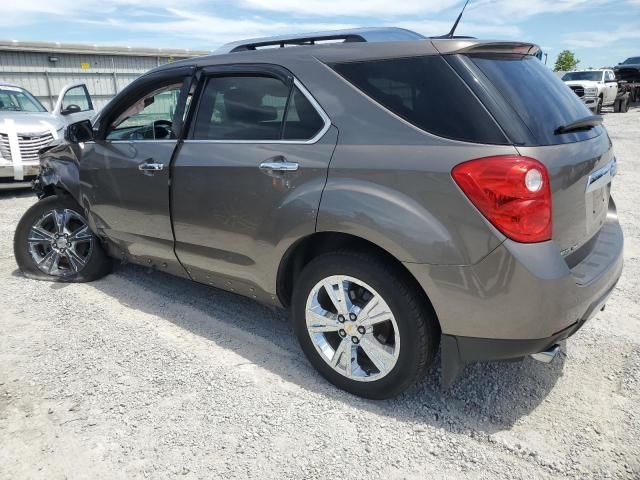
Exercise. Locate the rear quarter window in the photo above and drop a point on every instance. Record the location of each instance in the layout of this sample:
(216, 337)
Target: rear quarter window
(426, 92)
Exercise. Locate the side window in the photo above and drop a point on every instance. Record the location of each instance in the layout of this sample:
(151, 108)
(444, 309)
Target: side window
(241, 108)
(611, 75)
(149, 118)
(77, 97)
(303, 122)
(252, 108)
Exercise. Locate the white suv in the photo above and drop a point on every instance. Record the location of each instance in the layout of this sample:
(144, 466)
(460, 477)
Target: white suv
(596, 88)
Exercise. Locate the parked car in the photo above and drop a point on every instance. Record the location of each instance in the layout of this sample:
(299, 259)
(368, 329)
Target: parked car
(596, 88)
(629, 69)
(396, 196)
(26, 127)
(629, 72)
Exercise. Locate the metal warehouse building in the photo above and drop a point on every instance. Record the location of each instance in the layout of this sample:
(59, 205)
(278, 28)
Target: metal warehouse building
(44, 68)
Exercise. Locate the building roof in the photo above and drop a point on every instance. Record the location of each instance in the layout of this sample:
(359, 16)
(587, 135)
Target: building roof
(84, 49)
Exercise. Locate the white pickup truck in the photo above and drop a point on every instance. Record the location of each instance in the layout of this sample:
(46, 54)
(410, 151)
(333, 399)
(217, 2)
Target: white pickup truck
(26, 127)
(596, 88)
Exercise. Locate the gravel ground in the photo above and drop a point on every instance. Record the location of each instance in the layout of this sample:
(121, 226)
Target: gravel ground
(142, 375)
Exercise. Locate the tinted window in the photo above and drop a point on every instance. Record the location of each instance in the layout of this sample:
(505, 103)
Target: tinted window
(539, 97)
(426, 92)
(303, 122)
(149, 118)
(241, 108)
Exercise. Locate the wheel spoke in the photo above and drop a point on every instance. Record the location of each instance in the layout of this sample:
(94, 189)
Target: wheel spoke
(81, 234)
(338, 295)
(75, 260)
(39, 235)
(377, 353)
(343, 351)
(319, 323)
(60, 220)
(50, 261)
(374, 312)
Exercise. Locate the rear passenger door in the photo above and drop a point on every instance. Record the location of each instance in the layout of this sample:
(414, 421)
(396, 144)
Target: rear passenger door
(247, 181)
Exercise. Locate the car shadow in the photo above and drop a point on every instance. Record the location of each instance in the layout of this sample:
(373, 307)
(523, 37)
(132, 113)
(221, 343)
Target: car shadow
(487, 397)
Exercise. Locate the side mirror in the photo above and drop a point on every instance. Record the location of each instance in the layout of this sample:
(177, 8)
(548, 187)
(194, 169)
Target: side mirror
(79, 132)
(70, 109)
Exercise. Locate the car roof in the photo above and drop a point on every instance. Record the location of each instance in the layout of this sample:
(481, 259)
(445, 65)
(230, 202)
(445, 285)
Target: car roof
(357, 51)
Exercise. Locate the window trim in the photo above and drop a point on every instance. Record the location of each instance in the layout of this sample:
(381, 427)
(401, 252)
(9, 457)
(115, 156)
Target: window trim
(296, 83)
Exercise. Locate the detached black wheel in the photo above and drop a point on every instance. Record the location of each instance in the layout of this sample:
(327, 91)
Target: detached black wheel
(53, 242)
(617, 106)
(363, 325)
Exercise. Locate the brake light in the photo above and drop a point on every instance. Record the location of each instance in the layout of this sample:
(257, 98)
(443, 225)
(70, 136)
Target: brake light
(512, 192)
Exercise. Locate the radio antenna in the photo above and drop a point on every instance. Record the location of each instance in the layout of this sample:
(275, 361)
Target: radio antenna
(455, 25)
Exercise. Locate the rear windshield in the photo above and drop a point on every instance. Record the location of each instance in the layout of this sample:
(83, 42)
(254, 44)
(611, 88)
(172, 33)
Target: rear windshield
(426, 92)
(541, 100)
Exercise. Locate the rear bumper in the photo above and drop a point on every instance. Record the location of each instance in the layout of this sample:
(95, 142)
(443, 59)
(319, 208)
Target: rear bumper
(521, 299)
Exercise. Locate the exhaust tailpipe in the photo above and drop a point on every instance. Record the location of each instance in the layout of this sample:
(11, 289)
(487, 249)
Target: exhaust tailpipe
(548, 355)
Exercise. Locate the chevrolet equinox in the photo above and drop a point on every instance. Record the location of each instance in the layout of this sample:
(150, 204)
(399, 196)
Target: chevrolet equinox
(399, 194)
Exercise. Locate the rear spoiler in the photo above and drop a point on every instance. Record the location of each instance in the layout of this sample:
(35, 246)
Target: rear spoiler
(469, 46)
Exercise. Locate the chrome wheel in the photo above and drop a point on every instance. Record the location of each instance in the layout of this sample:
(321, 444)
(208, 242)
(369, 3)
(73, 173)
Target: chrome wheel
(60, 243)
(352, 328)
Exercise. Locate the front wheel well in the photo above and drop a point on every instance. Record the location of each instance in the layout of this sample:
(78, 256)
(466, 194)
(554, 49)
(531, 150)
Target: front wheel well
(314, 245)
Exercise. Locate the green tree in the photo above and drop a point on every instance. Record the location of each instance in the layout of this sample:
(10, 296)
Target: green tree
(566, 61)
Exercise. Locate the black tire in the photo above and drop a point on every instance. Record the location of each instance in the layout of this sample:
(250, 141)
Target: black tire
(416, 321)
(97, 263)
(599, 106)
(617, 106)
(625, 106)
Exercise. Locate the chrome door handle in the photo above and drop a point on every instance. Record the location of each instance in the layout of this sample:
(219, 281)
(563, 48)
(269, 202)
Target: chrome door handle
(150, 167)
(284, 166)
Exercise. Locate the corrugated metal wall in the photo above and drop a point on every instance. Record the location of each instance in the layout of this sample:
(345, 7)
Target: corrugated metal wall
(105, 75)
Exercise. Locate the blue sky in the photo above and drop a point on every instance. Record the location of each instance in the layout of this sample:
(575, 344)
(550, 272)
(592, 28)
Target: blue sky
(601, 32)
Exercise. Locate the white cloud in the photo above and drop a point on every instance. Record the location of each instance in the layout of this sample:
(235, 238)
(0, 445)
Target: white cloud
(433, 28)
(602, 39)
(215, 30)
(331, 8)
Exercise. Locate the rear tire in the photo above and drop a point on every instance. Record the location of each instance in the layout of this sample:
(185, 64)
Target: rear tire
(388, 334)
(625, 106)
(599, 106)
(53, 242)
(617, 106)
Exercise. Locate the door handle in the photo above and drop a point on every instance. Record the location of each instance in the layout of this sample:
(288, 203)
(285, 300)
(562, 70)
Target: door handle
(150, 167)
(279, 166)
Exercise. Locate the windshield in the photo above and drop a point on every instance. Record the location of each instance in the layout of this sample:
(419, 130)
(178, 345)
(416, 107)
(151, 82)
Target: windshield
(15, 99)
(632, 60)
(591, 76)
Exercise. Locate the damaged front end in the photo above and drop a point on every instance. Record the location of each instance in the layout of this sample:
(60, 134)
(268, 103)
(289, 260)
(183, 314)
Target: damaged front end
(59, 170)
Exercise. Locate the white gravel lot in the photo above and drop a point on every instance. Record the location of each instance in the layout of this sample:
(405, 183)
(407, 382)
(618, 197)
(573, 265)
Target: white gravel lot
(141, 375)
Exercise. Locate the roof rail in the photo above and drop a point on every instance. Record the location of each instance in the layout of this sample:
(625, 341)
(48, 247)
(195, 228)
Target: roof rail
(347, 36)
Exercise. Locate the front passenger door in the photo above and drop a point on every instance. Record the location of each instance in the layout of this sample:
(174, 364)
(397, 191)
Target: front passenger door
(125, 172)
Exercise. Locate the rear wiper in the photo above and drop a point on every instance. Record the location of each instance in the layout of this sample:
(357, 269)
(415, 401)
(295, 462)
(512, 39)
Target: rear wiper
(585, 123)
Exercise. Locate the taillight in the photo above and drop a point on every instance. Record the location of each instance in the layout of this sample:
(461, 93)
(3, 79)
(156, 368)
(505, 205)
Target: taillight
(512, 192)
